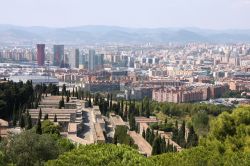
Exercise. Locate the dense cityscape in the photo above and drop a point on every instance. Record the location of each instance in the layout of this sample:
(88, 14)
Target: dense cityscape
(102, 95)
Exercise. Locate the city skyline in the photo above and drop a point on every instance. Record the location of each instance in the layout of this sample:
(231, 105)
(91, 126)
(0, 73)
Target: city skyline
(222, 14)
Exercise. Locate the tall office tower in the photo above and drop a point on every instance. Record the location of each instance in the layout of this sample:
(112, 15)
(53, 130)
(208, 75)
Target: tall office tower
(99, 61)
(91, 60)
(74, 58)
(83, 63)
(58, 59)
(40, 54)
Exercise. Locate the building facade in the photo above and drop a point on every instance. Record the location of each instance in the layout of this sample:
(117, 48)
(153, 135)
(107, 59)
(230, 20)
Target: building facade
(58, 58)
(40, 54)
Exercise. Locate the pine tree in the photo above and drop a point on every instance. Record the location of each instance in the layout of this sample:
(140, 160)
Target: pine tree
(39, 127)
(55, 118)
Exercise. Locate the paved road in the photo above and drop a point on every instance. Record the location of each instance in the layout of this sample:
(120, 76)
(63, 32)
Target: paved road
(88, 126)
(143, 145)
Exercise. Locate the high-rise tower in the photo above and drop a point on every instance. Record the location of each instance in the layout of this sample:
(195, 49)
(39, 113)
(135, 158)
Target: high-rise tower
(58, 59)
(40, 54)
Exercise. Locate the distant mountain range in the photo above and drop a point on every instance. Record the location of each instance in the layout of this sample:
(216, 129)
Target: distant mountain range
(111, 34)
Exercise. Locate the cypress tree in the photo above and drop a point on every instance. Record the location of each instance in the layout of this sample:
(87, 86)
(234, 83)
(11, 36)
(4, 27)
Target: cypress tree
(148, 109)
(156, 147)
(143, 134)
(168, 147)
(111, 102)
(55, 118)
(46, 117)
(28, 121)
(142, 109)
(67, 99)
(152, 137)
(163, 145)
(181, 135)
(40, 114)
(192, 139)
(175, 132)
(132, 122)
(14, 118)
(22, 121)
(89, 101)
(125, 114)
(148, 134)
(122, 107)
(39, 127)
(82, 95)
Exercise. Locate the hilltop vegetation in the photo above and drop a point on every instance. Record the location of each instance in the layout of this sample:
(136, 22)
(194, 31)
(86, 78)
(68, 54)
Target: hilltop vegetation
(227, 143)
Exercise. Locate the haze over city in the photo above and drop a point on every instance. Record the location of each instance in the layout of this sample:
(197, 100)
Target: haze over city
(209, 14)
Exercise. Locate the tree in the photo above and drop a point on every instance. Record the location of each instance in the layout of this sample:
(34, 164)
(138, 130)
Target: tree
(148, 109)
(22, 121)
(181, 135)
(89, 101)
(200, 121)
(39, 127)
(29, 122)
(64, 90)
(125, 114)
(49, 127)
(143, 134)
(40, 114)
(61, 103)
(152, 137)
(122, 137)
(175, 132)
(46, 116)
(148, 134)
(55, 118)
(192, 139)
(156, 148)
(29, 148)
(110, 155)
(163, 145)
(67, 99)
(132, 122)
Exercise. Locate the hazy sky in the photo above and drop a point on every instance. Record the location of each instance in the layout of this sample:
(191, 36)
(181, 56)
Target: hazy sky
(213, 14)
